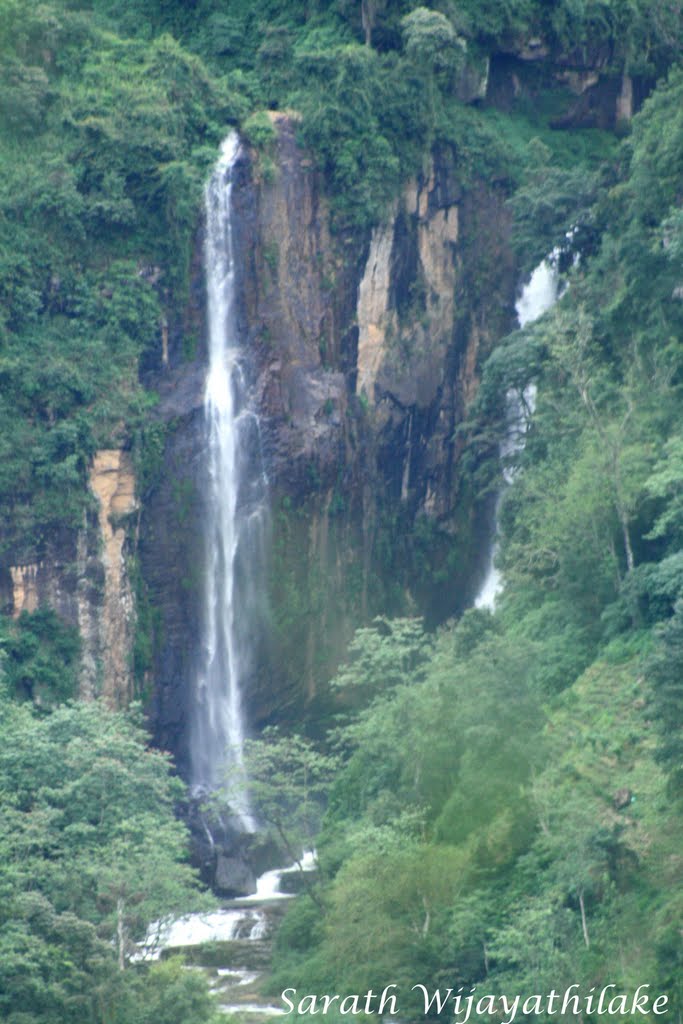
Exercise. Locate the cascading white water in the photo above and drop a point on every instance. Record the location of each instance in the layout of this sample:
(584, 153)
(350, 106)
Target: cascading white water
(239, 921)
(195, 929)
(247, 924)
(540, 292)
(268, 884)
(538, 295)
(236, 514)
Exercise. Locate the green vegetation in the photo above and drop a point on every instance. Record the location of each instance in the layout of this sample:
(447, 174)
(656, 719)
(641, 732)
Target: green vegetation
(40, 658)
(91, 853)
(505, 807)
(510, 798)
(104, 145)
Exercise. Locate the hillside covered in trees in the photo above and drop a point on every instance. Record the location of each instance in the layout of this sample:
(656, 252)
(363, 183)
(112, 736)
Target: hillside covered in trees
(495, 797)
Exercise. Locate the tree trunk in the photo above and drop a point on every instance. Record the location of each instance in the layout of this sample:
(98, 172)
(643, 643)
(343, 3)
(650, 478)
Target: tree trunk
(614, 447)
(366, 20)
(289, 849)
(621, 510)
(427, 920)
(584, 925)
(630, 561)
(120, 933)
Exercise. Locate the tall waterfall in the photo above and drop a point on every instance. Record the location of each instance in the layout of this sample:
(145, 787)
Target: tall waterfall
(538, 295)
(236, 516)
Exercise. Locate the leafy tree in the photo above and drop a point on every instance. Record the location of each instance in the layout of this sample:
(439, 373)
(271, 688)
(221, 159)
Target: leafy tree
(665, 671)
(666, 484)
(41, 658)
(341, 121)
(287, 779)
(385, 654)
(625, 464)
(657, 164)
(550, 202)
(168, 992)
(430, 38)
(91, 854)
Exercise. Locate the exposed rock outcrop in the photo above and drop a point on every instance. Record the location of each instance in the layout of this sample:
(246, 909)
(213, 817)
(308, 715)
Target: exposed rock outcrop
(233, 877)
(375, 318)
(82, 574)
(599, 91)
(25, 597)
(113, 483)
(171, 554)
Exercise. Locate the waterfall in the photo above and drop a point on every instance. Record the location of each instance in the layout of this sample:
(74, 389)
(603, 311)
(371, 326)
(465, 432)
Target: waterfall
(538, 295)
(236, 515)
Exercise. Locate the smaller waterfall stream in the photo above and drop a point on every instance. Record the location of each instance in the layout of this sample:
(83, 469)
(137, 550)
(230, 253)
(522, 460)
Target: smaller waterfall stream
(538, 295)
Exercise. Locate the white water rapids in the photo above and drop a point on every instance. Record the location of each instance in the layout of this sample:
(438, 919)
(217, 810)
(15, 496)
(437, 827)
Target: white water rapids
(234, 922)
(268, 884)
(538, 295)
(236, 514)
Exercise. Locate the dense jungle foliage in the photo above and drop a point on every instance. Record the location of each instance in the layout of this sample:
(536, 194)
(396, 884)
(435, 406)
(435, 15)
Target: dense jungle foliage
(508, 813)
(505, 809)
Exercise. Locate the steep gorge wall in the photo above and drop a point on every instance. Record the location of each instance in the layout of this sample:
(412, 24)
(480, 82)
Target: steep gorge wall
(363, 351)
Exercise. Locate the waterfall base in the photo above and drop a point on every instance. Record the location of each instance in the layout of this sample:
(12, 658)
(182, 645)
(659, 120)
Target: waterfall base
(228, 859)
(232, 946)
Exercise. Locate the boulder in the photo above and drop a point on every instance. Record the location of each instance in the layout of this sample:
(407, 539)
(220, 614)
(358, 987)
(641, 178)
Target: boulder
(233, 877)
(622, 798)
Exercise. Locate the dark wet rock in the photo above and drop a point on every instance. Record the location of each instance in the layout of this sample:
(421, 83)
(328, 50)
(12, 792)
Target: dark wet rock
(233, 877)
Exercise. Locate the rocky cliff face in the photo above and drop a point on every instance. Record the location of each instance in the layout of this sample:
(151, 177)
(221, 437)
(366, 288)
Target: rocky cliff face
(84, 576)
(599, 93)
(363, 352)
(113, 483)
(171, 557)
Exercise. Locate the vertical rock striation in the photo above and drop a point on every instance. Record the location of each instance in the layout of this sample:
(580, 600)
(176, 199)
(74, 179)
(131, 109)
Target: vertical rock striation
(113, 483)
(374, 316)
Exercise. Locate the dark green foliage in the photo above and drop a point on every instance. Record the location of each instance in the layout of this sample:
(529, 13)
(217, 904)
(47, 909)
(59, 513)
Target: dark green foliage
(491, 19)
(259, 131)
(657, 161)
(347, 119)
(104, 148)
(500, 810)
(551, 202)
(666, 671)
(41, 656)
(167, 992)
(650, 591)
(90, 851)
